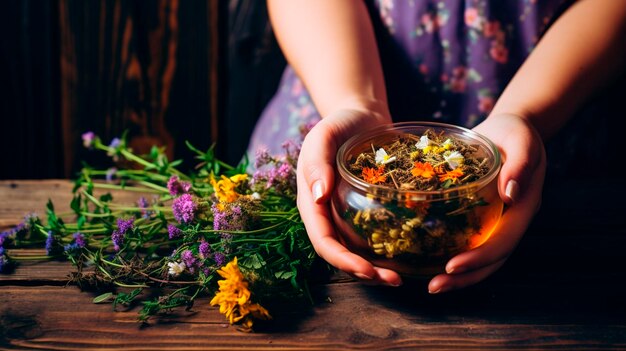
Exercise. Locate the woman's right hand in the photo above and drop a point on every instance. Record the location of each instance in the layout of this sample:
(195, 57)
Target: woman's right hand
(316, 180)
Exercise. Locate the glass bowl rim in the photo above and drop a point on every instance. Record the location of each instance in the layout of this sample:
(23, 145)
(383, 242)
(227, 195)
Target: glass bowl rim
(423, 195)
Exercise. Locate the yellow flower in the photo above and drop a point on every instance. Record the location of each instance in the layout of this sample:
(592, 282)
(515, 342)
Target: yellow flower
(225, 187)
(237, 178)
(234, 297)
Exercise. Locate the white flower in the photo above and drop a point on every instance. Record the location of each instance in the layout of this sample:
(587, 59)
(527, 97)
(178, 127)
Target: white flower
(382, 158)
(423, 143)
(447, 144)
(176, 268)
(255, 196)
(454, 159)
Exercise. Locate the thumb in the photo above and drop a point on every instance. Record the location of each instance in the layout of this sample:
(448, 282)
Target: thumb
(316, 161)
(522, 153)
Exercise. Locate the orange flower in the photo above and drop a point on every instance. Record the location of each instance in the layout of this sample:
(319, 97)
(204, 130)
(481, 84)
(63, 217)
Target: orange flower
(374, 175)
(423, 170)
(452, 175)
(440, 169)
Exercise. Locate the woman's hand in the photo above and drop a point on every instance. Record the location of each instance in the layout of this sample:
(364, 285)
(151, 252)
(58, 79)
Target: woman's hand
(520, 185)
(316, 180)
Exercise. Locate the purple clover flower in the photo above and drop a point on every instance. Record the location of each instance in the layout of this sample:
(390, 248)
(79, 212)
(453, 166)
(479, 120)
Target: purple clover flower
(189, 260)
(177, 187)
(118, 239)
(262, 157)
(204, 249)
(184, 208)
(173, 231)
(79, 240)
(88, 138)
(143, 204)
(124, 225)
(115, 143)
(220, 222)
(285, 170)
(49, 243)
(219, 258)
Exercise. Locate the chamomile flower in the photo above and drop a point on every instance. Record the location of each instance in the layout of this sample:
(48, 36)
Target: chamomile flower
(176, 268)
(454, 159)
(423, 143)
(382, 158)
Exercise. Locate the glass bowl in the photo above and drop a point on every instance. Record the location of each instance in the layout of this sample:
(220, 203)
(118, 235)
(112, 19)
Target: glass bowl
(415, 225)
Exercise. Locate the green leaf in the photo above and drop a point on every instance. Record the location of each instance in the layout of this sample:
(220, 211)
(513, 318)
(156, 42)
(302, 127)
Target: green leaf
(254, 261)
(75, 204)
(103, 298)
(284, 274)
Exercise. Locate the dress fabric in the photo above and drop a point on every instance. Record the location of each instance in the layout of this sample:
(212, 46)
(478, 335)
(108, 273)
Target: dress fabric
(445, 60)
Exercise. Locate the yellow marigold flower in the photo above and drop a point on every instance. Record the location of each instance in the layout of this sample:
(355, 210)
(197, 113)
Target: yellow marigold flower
(452, 175)
(237, 178)
(424, 169)
(225, 189)
(234, 297)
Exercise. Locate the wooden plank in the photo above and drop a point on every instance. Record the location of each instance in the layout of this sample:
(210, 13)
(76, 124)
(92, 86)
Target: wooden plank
(358, 317)
(20, 197)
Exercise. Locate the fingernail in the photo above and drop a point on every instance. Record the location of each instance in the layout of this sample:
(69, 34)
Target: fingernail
(318, 190)
(458, 269)
(363, 276)
(437, 291)
(395, 285)
(512, 190)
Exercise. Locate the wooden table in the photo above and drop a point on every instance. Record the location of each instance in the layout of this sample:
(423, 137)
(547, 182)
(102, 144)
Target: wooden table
(563, 288)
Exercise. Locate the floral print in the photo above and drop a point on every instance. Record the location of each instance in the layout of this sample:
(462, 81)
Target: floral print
(461, 54)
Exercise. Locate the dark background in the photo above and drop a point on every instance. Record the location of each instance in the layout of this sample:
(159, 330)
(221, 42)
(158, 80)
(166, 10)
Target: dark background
(166, 71)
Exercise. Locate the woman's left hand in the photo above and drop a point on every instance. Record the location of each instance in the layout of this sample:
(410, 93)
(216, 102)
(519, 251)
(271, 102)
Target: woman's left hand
(520, 185)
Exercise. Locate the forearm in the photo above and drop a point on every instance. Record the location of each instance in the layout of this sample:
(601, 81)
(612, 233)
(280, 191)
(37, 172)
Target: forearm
(581, 53)
(331, 46)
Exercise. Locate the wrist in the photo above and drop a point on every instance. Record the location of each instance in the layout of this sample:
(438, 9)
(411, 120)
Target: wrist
(374, 107)
(527, 117)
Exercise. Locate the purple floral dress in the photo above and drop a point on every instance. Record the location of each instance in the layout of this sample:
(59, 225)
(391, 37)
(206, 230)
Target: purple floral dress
(443, 60)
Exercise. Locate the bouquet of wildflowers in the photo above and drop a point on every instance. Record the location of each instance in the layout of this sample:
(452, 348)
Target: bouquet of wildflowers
(219, 231)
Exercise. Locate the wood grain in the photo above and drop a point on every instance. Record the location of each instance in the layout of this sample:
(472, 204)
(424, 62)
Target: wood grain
(552, 294)
(57, 318)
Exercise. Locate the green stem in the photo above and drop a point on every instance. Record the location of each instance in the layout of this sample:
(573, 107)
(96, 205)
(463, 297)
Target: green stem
(92, 199)
(128, 188)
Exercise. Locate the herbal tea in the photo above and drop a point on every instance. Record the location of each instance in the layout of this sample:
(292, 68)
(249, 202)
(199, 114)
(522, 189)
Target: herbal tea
(413, 195)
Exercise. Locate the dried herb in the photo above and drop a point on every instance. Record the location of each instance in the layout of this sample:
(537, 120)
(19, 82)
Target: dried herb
(433, 161)
(401, 222)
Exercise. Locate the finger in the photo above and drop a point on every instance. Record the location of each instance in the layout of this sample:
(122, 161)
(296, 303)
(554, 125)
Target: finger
(316, 218)
(316, 162)
(447, 282)
(323, 237)
(522, 153)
